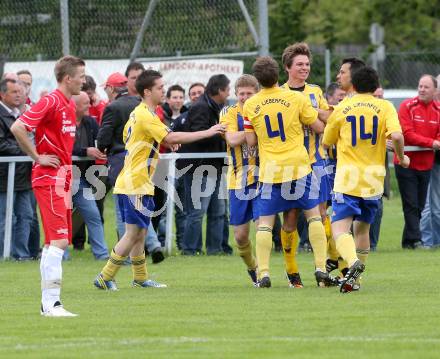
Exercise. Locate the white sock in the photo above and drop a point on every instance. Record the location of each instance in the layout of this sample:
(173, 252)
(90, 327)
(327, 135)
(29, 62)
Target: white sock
(52, 273)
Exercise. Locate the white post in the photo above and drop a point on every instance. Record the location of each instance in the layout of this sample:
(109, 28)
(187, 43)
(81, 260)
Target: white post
(170, 204)
(9, 210)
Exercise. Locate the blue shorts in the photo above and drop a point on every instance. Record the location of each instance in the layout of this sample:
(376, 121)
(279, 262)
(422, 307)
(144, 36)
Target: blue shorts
(274, 198)
(361, 209)
(320, 171)
(243, 205)
(136, 209)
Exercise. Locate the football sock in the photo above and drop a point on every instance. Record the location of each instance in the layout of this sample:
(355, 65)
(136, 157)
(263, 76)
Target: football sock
(328, 228)
(362, 254)
(346, 247)
(139, 268)
(112, 266)
(290, 242)
(332, 252)
(318, 241)
(245, 252)
(264, 247)
(52, 274)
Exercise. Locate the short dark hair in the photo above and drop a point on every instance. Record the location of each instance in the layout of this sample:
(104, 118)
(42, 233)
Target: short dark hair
(24, 72)
(4, 84)
(175, 88)
(90, 84)
(266, 70)
(194, 85)
(216, 83)
(331, 89)
(66, 66)
(365, 80)
(355, 64)
(290, 52)
(146, 80)
(134, 66)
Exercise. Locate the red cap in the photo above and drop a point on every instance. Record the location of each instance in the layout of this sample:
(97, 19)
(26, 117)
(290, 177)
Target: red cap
(116, 79)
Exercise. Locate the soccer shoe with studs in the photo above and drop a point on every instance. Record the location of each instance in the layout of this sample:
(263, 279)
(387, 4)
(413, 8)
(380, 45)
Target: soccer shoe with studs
(56, 311)
(348, 283)
(294, 280)
(148, 284)
(253, 274)
(264, 282)
(323, 279)
(100, 283)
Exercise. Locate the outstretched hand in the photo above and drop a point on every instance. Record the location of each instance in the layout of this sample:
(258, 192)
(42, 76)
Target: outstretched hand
(218, 129)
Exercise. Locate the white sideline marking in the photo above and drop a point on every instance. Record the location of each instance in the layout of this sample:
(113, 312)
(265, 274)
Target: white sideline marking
(80, 342)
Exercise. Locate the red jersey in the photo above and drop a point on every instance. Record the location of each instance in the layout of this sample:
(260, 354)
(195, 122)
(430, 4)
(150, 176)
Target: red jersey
(54, 121)
(97, 110)
(421, 126)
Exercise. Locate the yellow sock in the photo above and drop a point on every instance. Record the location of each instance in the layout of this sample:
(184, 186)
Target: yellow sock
(332, 252)
(290, 242)
(318, 241)
(342, 265)
(113, 264)
(328, 228)
(362, 254)
(347, 249)
(245, 252)
(139, 268)
(264, 247)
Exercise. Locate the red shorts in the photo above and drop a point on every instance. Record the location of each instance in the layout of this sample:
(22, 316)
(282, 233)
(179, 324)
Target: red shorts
(56, 212)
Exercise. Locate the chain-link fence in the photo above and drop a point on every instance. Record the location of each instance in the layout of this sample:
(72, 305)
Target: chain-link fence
(31, 30)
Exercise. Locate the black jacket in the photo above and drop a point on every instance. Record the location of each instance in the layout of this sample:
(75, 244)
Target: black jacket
(115, 117)
(92, 128)
(9, 147)
(201, 116)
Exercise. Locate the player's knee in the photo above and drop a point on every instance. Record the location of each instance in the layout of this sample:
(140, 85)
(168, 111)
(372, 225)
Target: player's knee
(337, 236)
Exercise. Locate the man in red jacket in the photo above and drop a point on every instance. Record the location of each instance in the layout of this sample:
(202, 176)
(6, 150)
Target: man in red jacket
(420, 121)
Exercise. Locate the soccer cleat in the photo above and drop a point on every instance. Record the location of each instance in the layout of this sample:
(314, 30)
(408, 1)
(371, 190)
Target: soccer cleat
(323, 279)
(348, 283)
(148, 283)
(294, 280)
(253, 274)
(331, 265)
(264, 282)
(157, 256)
(100, 283)
(56, 311)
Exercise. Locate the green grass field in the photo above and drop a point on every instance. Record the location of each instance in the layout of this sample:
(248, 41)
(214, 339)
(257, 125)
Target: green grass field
(210, 310)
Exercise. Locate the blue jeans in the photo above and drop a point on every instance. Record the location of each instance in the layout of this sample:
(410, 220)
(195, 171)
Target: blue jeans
(430, 222)
(196, 208)
(34, 235)
(22, 217)
(90, 213)
(151, 241)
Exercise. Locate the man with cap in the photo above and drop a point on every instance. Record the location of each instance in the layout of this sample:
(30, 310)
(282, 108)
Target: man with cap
(110, 141)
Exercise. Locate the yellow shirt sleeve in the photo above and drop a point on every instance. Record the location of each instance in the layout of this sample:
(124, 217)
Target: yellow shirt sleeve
(308, 114)
(331, 131)
(227, 118)
(156, 129)
(323, 105)
(392, 120)
(248, 127)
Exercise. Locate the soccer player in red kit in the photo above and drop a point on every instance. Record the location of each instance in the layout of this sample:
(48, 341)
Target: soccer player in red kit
(53, 120)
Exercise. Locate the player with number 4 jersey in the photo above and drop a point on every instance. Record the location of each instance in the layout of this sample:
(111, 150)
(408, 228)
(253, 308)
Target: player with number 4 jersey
(274, 119)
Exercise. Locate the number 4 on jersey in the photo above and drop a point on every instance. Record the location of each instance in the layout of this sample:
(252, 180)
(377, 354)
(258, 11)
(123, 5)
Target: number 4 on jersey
(277, 133)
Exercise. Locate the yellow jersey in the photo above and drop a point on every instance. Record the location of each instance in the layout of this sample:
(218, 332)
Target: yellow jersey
(143, 132)
(241, 158)
(276, 117)
(359, 126)
(312, 140)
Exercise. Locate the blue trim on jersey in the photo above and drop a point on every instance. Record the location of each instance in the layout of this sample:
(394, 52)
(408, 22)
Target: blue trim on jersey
(361, 209)
(306, 138)
(274, 198)
(234, 160)
(317, 154)
(243, 205)
(313, 100)
(320, 171)
(136, 209)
